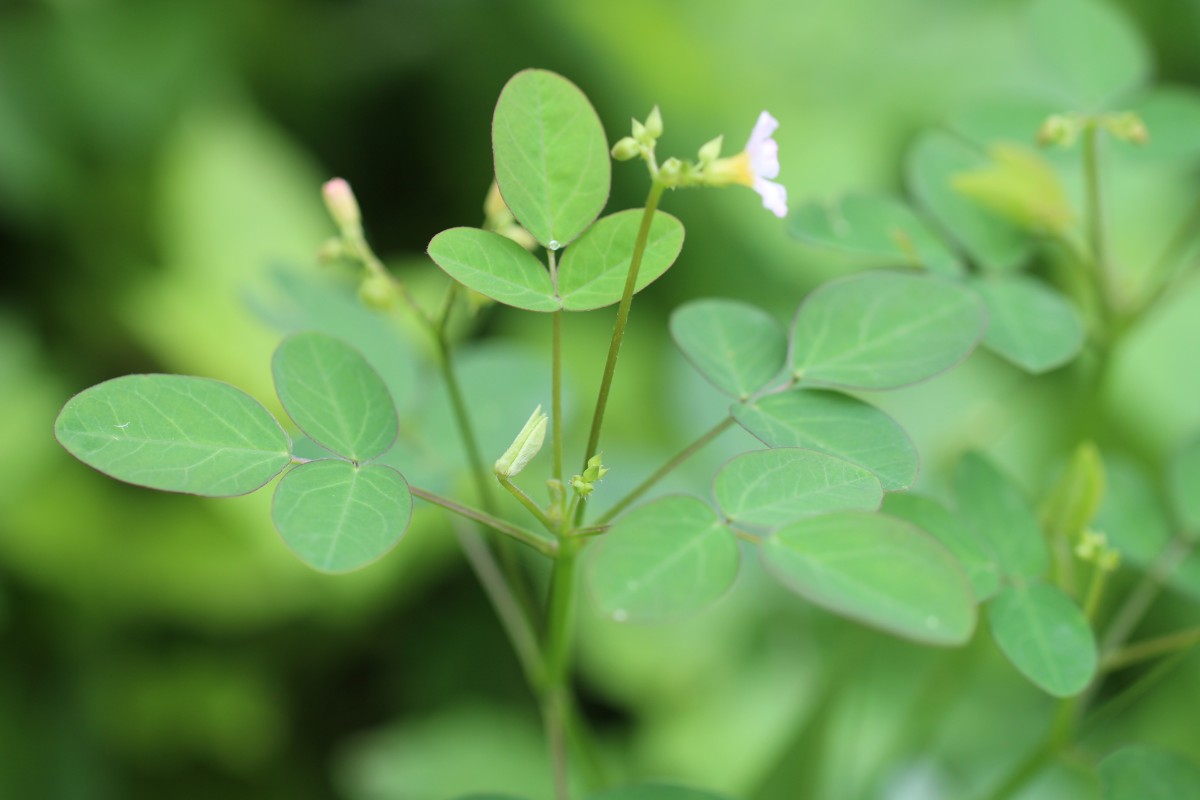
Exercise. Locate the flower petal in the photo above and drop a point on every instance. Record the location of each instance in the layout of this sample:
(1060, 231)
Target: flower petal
(763, 129)
(774, 196)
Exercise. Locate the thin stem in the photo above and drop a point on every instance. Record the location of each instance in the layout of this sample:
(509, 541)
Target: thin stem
(1163, 269)
(1095, 591)
(512, 616)
(527, 501)
(540, 542)
(443, 320)
(1135, 690)
(614, 347)
(557, 699)
(1138, 602)
(556, 409)
(1151, 648)
(1094, 220)
(666, 469)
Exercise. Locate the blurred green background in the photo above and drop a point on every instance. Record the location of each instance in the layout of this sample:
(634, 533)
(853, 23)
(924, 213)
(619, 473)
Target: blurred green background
(160, 162)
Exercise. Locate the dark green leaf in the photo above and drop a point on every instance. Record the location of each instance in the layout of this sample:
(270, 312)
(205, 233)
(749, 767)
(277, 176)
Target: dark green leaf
(836, 424)
(1030, 324)
(334, 395)
(593, 270)
(876, 569)
(999, 514)
(774, 487)
(878, 226)
(884, 330)
(551, 154)
(175, 433)
(1045, 636)
(338, 517)
(663, 561)
(496, 267)
(736, 346)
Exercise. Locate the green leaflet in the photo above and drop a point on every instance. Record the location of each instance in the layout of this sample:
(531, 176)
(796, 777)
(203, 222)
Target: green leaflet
(876, 569)
(496, 267)
(935, 519)
(884, 330)
(836, 424)
(175, 433)
(878, 226)
(736, 346)
(1146, 773)
(663, 561)
(593, 270)
(1045, 636)
(1030, 324)
(551, 154)
(1001, 517)
(933, 162)
(770, 488)
(335, 396)
(338, 517)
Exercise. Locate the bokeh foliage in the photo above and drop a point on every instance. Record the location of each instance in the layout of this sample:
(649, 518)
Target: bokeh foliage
(159, 165)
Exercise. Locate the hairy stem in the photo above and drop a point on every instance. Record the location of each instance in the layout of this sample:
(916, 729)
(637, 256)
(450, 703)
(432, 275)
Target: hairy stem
(530, 506)
(557, 701)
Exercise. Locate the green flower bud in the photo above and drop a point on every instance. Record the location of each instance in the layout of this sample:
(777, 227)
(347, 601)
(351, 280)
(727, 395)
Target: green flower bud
(1126, 126)
(1059, 129)
(671, 168)
(639, 133)
(524, 447)
(626, 149)
(331, 250)
(654, 123)
(711, 151)
(377, 292)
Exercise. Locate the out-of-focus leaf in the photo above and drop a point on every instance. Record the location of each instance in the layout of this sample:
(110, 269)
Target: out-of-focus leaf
(1045, 636)
(1075, 497)
(836, 424)
(736, 346)
(593, 269)
(496, 267)
(1183, 480)
(1029, 324)
(1091, 50)
(552, 162)
(334, 395)
(338, 517)
(663, 561)
(876, 569)
(1001, 516)
(932, 164)
(773, 487)
(656, 791)
(1172, 116)
(175, 433)
(935, 519)
(884, 330)
(1145, 773)
(874, 225)
(1018, 186)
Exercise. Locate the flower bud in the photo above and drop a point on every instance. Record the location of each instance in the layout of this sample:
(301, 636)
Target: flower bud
(342, 205)
(524, 447)
(377, 293)
(331, 250)
(1059, 129)
(1126, 126)
(671, 168)
(711, 151)
(626, 149)
(654, 123)
(639, 133)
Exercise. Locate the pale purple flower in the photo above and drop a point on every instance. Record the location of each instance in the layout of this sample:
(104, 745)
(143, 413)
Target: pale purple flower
(762, 152)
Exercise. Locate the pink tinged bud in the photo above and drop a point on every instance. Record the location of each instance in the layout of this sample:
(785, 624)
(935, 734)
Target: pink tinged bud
(339, 199)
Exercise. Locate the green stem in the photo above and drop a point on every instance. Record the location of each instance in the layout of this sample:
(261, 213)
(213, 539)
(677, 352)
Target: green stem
(1151, 648)
(540, 542)
(556, 409)
(1163, 270)
(1095, 591)
(530, 506)
(666, 469)
(614, 347)
(1138, 602)
(1094, 219)
(557, 697)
